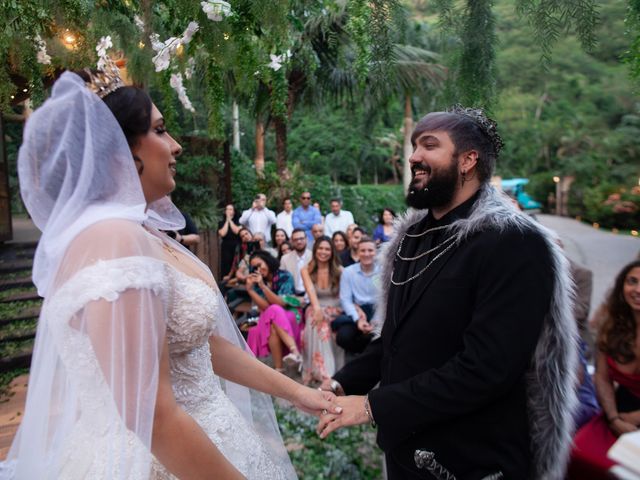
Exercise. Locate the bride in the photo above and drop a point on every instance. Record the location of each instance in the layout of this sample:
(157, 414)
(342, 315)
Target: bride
(133, 325)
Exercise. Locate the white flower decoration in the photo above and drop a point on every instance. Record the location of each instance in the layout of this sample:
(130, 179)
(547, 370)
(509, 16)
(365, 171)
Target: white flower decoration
(42, 56)
(276, 62)
(216, 10)
(176, 83)
(139, 23)
(104, 44)
(167, 48)
(192, 28)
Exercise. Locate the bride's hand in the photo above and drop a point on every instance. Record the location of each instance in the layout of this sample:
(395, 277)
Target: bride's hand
(315, 402)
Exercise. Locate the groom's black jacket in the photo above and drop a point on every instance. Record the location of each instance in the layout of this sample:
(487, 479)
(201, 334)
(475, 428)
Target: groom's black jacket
(455, 347)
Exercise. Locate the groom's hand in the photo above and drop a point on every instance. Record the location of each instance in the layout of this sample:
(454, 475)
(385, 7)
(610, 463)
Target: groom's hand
(315, 402)
(353, 413)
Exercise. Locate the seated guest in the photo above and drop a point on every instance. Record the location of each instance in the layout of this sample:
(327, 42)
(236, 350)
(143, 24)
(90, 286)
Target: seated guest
(617, 376)
(384, 230)
(340, 242)
(283, 249)
(279, 237)
(293, 262)
(262, 244)
(350, 255)
(240, 262)
(278, 328)
(317, 231)
(322, 357)
(358, 294)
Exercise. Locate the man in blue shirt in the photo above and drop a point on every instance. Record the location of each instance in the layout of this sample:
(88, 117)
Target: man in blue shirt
(358, 295)
(306, 216)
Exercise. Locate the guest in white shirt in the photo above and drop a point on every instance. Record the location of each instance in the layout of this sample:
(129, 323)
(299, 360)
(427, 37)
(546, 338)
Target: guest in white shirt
(337, 219)
(259, 218)
(294, 261)
(284, 218)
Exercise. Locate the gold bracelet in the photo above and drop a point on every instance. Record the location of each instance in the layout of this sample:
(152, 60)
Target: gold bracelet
(367, 409)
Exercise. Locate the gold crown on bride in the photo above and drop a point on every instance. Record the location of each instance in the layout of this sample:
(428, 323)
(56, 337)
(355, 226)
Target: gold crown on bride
(106, 79)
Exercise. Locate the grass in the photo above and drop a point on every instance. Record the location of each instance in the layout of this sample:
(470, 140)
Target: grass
(10, 349)
(14, 291)
(19, 327)
(347, 454)
(14, 309)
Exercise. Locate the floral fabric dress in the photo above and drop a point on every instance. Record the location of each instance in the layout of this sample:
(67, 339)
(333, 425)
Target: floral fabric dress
(321, 356)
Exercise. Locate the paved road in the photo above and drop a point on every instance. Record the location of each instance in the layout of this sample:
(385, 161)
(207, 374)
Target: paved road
(603, 252)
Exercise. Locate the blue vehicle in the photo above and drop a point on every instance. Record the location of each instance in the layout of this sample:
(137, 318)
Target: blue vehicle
(514, 187)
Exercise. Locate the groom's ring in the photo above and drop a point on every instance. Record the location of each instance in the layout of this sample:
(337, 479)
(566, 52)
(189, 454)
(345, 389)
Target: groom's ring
(324, 411)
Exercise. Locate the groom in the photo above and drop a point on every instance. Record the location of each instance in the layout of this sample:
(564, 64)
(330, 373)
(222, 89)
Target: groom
(475, 362)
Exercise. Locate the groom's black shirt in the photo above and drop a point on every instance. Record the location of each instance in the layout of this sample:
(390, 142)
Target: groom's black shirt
(455, 347)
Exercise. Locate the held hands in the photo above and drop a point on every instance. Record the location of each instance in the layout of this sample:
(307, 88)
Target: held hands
(315, 402)
(353, 413)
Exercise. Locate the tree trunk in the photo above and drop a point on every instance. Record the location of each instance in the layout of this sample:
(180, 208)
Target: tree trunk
(358, 177)
(259, 158)
(236, 126)
(375, 175)
(280, 126)
(407, 148)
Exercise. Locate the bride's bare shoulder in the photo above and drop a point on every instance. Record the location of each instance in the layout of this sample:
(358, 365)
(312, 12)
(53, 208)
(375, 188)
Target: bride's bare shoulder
(114, 237)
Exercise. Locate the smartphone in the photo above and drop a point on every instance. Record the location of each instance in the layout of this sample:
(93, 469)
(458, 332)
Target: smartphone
(252, 269)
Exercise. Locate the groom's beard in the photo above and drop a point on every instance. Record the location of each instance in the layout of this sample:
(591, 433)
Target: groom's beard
(439, 190)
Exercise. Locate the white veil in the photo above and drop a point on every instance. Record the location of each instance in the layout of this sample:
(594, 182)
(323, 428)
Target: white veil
(94, 372)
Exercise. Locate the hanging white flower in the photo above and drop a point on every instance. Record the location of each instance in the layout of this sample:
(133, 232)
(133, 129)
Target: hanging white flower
(191, 67)
(169, 47)
(176, 83)
(216, 10)
(276, 62)
(165, 50)
(104, 44)
(42, 56)
(139, 23)
(192, 28)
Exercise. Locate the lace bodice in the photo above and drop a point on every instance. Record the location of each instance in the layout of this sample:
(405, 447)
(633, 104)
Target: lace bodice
(192, 312)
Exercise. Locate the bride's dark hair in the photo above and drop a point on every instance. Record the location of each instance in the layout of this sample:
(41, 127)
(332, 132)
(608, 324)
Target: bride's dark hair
(132, 108)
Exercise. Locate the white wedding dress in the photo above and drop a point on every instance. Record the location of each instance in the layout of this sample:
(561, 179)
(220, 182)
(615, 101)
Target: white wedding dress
(192, 307)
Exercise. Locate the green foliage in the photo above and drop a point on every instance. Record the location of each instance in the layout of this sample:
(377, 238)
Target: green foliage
(612, 206)
(347, 454)
(632, 56)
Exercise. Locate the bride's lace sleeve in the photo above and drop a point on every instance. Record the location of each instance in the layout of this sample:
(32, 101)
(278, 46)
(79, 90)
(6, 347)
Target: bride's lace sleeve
(94, 374)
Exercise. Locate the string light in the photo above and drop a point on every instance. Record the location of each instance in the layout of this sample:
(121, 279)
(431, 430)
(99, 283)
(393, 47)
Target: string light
(69, 39)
